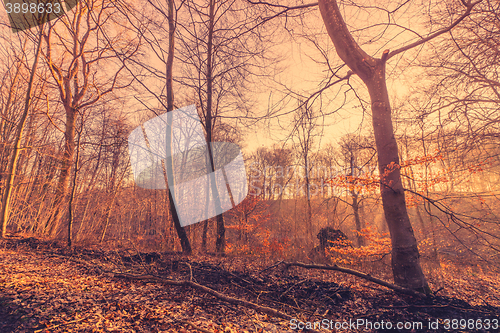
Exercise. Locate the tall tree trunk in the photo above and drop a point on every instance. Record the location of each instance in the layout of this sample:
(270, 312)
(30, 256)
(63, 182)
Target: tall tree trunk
(220, 243)
(4, 108)
(61, 193)
(181, 232)
(17, 143)
(406, 267)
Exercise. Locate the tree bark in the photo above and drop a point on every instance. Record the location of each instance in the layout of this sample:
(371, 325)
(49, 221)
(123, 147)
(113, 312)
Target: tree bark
(62, 189)
(406, 267)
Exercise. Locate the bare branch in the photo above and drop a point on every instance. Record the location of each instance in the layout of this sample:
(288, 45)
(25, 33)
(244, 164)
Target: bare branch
(470, 5)
(362, 275)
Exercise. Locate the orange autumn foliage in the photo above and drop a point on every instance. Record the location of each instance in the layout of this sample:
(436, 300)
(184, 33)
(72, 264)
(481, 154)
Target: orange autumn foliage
(252, 216)
(378, 245)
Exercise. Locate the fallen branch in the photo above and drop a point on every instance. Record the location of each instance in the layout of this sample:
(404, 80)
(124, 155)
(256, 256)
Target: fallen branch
(272, 266)
(358, 274)
(194, 285)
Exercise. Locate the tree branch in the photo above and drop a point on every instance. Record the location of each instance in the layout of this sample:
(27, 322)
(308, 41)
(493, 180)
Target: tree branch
(307, 5)
(470, 5)
(194, 285)
(365, 276)
(347, 48)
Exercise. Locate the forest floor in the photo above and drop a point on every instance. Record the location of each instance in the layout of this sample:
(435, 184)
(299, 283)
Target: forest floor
(45, 287)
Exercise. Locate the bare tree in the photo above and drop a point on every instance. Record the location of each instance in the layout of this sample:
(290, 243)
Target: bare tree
(75, 68)
(14, 158)
(357, 153)
(222, 47)
(465, 94)
(160, 40)
(186, 247)
(306, 128)
(405, 256)
(458, 115)
(118, 150)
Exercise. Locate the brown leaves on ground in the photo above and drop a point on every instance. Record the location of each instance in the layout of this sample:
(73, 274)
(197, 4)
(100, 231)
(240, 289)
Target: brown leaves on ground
(50, 289)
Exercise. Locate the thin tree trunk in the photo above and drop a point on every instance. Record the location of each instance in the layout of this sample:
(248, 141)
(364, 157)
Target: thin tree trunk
(4, 124)
(110, 209)
(406, 267)
(308, 199)
(17, 144)
(181, 232)
(355, 204)
(357, 219)
(84, 216)
(220, 243)
(204, 236)
(72, 195)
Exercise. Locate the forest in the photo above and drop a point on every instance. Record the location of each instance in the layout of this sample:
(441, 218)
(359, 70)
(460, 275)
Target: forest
(249, 166)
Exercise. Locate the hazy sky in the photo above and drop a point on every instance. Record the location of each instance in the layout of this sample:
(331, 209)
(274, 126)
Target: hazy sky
(303, 73)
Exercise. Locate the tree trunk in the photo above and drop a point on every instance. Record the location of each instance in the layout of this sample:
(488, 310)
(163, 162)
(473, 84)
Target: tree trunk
(73, 190)
(220, 243)
(181, 232)
(11, 171)
(62, 189)
(405, 256)
(357, 219)
(204, 237)
(308, 200)
(355, 201)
